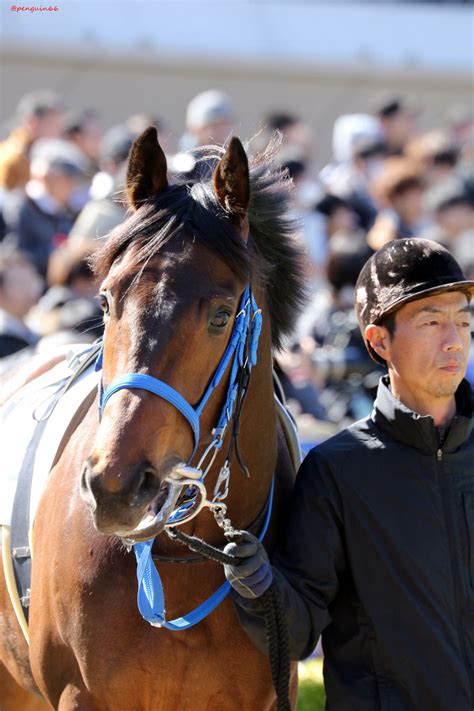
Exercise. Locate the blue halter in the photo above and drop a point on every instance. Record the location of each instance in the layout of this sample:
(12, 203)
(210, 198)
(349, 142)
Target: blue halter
(248, 323)
(242, 347)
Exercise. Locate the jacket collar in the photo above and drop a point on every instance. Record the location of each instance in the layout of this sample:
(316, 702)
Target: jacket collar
(419, 431)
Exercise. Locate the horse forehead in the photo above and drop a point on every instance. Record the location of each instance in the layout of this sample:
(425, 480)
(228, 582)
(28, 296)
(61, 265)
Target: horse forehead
(184, 268)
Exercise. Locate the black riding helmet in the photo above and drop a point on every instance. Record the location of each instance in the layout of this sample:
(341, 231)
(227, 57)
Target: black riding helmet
(401, 271)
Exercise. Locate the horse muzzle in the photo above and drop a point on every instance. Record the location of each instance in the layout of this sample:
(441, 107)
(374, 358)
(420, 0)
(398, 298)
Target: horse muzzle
(132, 505)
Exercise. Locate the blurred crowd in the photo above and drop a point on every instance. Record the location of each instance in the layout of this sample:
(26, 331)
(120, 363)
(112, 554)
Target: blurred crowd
(61, 192)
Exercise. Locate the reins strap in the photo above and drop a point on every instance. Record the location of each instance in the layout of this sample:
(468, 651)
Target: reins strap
(150, 597)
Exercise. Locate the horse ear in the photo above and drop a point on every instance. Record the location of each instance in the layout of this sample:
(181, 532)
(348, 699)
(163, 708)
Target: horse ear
(232, 183)
(146, 171)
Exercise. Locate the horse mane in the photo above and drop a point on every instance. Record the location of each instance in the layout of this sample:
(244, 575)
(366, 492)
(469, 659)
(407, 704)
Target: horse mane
(273, 255)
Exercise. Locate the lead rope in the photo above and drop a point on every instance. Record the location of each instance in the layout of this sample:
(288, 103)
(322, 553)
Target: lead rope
(277, 631)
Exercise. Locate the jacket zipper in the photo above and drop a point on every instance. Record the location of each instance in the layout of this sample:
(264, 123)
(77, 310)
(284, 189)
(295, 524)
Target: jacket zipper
(462, 643)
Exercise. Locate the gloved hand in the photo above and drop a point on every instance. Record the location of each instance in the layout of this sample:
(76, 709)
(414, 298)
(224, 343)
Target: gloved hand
(252, 574)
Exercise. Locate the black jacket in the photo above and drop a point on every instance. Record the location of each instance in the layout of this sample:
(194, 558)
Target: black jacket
(379, 558)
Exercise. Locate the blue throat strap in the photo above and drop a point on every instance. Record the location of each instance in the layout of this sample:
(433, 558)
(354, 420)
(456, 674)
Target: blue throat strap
(150, 597)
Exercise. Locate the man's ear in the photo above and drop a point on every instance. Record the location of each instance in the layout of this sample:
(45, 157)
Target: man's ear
(379, 339)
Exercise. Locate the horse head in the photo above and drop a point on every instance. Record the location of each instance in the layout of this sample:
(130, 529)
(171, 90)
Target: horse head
(169, 304)
(180, 275)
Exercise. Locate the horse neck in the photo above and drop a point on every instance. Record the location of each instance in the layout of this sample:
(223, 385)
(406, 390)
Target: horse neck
(257, 443)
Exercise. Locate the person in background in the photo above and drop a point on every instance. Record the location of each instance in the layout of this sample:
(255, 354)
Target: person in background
(397, 121)
(69, 309)
(83, 129)
(39, 114)
(453, 220)
(210, 119)
(436, 155)
(40, 220)
(105, 209)
(20, 289)
(377, 554)
(359, 156)
(399, 192)
(338, 214)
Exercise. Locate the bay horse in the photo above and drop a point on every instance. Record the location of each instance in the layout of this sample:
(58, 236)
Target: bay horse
(173, 275)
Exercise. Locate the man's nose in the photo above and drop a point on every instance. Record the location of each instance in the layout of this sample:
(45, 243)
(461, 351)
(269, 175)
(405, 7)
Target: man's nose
(452, 337)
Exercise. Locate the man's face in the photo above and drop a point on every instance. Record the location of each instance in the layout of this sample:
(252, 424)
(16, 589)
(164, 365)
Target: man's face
(409, 205)
(399, 128)
(50, 125)
(427, 354)
(20, 290)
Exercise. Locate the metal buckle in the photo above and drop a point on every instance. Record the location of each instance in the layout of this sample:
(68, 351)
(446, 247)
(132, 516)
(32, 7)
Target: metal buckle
(21, 552)
(222, 481)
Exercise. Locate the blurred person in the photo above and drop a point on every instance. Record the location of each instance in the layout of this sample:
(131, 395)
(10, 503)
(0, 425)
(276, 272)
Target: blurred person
(20, 289)
(436, 154)
(328, 216)
(296, 135)
(39, 114)
(329, 335)
(83, 129)
(106, 207)
(69, 304)
(137, 123)
(338, 213)
(310, 227)
(459, 121)
(210, 119)
(40, 220)
(69, 268)
(359, 155)
(453, 220)
(399, 191)
(397, 121)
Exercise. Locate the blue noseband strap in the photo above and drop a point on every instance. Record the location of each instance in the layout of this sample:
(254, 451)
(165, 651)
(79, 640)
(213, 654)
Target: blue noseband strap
(141, 381)
(247, 324)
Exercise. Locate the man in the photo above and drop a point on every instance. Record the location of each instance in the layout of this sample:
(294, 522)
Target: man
(39, 115)
(399, 189)
(397, 121)
(40, 220)
(20, 289)
(379, 552)
(210, 118)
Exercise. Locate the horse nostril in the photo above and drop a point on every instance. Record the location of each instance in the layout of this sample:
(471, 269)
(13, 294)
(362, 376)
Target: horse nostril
(147, 488)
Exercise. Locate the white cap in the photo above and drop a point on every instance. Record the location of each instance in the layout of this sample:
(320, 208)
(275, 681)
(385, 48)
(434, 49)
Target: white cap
(208, 107)
(350, 131)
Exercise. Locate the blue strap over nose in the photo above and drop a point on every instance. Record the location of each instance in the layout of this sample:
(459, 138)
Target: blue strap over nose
(142, 381)
(248, 322)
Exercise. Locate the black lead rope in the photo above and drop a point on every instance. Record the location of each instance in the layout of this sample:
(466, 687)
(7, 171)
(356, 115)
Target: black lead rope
(277, 631)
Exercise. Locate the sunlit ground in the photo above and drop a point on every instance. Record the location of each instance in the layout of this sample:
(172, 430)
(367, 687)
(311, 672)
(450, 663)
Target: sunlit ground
(311, 695)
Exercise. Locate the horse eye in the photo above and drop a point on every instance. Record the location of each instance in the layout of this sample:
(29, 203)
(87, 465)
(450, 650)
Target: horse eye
(220, 319)
(104, 304)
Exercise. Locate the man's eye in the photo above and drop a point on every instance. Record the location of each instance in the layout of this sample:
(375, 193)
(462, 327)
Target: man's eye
(104, 304)
(220, 319)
